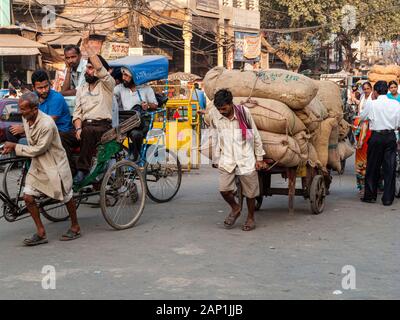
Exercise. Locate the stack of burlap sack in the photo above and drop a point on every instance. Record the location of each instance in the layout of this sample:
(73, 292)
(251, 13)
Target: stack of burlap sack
(300, 120)
(384, 73)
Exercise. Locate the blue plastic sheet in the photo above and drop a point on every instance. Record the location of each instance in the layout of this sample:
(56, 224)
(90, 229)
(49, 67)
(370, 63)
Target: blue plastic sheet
(145, 68)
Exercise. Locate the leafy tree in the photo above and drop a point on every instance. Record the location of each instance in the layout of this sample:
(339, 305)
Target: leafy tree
(314, 22)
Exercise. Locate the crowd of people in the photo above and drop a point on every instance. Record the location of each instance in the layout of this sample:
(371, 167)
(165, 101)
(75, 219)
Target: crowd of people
(50, 136)
(376, 123)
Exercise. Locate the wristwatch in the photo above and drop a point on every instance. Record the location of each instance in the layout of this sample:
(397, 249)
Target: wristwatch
(78, 129)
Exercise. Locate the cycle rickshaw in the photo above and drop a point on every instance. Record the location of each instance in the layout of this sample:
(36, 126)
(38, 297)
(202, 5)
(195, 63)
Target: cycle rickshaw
(121, 184)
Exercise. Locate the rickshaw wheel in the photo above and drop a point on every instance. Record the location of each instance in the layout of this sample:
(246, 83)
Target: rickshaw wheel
(122, 195)
(163, 174)
(317, 194)
(13, 177)
(57, 212)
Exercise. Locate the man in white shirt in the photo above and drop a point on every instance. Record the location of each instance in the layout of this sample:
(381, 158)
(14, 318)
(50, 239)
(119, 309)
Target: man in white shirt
(384, 118)
(128, 97)
(74, 75)
(240, 153)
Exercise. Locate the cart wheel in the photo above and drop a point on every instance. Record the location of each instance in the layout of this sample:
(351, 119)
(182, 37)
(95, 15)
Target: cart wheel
(122, 195)
(259, 201)
(317, 194)
(163, 174)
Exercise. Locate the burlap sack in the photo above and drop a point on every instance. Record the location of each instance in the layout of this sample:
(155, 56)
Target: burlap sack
(375, 77)
(293, 89)
(330, 96)
(313, 160)
(281, 148)
(320, 140)
(344, 128)
(390, 69)
(333, 155)
(309, 119)
(345, 150)
(318, 108)
(302, 139)
(272, 116)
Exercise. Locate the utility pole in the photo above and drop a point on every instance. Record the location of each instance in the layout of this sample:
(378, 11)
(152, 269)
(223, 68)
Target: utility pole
(134, 23)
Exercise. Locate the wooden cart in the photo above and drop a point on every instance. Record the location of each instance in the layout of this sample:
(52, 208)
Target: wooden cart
(315, 185)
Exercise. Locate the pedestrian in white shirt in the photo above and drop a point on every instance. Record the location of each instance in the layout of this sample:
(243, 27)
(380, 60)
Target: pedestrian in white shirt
(240, 153)
(384, 118)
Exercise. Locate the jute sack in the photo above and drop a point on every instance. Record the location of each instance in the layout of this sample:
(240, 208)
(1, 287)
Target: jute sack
(293, 89)
(313, 160)
(210, 104)
(302, 139)
(320, 139)
(318, 108)
(272, 116)
(344, 128)
(333, 154)
(345, 150)
(309, 119)
(330, 96)
(390, 69)
(375, 77)
(281, 148)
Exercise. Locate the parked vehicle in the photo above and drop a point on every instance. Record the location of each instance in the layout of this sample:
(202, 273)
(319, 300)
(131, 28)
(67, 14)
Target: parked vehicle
(9, 115)
(3, 93)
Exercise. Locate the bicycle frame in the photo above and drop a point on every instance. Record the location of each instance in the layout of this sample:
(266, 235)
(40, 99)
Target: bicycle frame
(145, 146)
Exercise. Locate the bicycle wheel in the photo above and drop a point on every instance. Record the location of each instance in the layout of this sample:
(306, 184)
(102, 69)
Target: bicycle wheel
(57, 212)
(163, 174)
(122, 195)
(14, 179)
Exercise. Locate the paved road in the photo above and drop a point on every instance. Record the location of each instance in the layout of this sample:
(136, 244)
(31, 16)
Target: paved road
(180, 250)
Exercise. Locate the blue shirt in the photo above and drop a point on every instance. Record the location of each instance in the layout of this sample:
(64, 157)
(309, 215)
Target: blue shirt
(55, 106)
(390, 96)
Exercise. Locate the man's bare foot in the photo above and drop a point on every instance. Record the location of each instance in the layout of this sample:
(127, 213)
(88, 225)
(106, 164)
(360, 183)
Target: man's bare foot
(231, 218)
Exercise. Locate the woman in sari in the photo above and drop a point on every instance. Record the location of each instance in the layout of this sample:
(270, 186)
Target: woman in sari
(362, 135)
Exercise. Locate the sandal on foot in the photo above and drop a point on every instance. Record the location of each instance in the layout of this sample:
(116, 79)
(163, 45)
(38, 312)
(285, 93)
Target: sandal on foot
(70, 235)
(248, 226)
(230, 220)
(35, 240)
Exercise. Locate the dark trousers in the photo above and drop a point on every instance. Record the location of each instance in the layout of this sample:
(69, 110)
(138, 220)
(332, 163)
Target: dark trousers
(90, 137)
(381, 153)
(10, 137)
(135, 144)
(136, 138)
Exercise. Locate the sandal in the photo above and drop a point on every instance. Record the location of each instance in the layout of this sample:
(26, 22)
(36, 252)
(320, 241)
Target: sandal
(35, 240)
(249, 226)
(230, 220)
(70, 235)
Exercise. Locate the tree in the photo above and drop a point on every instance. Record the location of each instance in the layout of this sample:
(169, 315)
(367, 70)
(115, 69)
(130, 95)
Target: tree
(316, 20)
